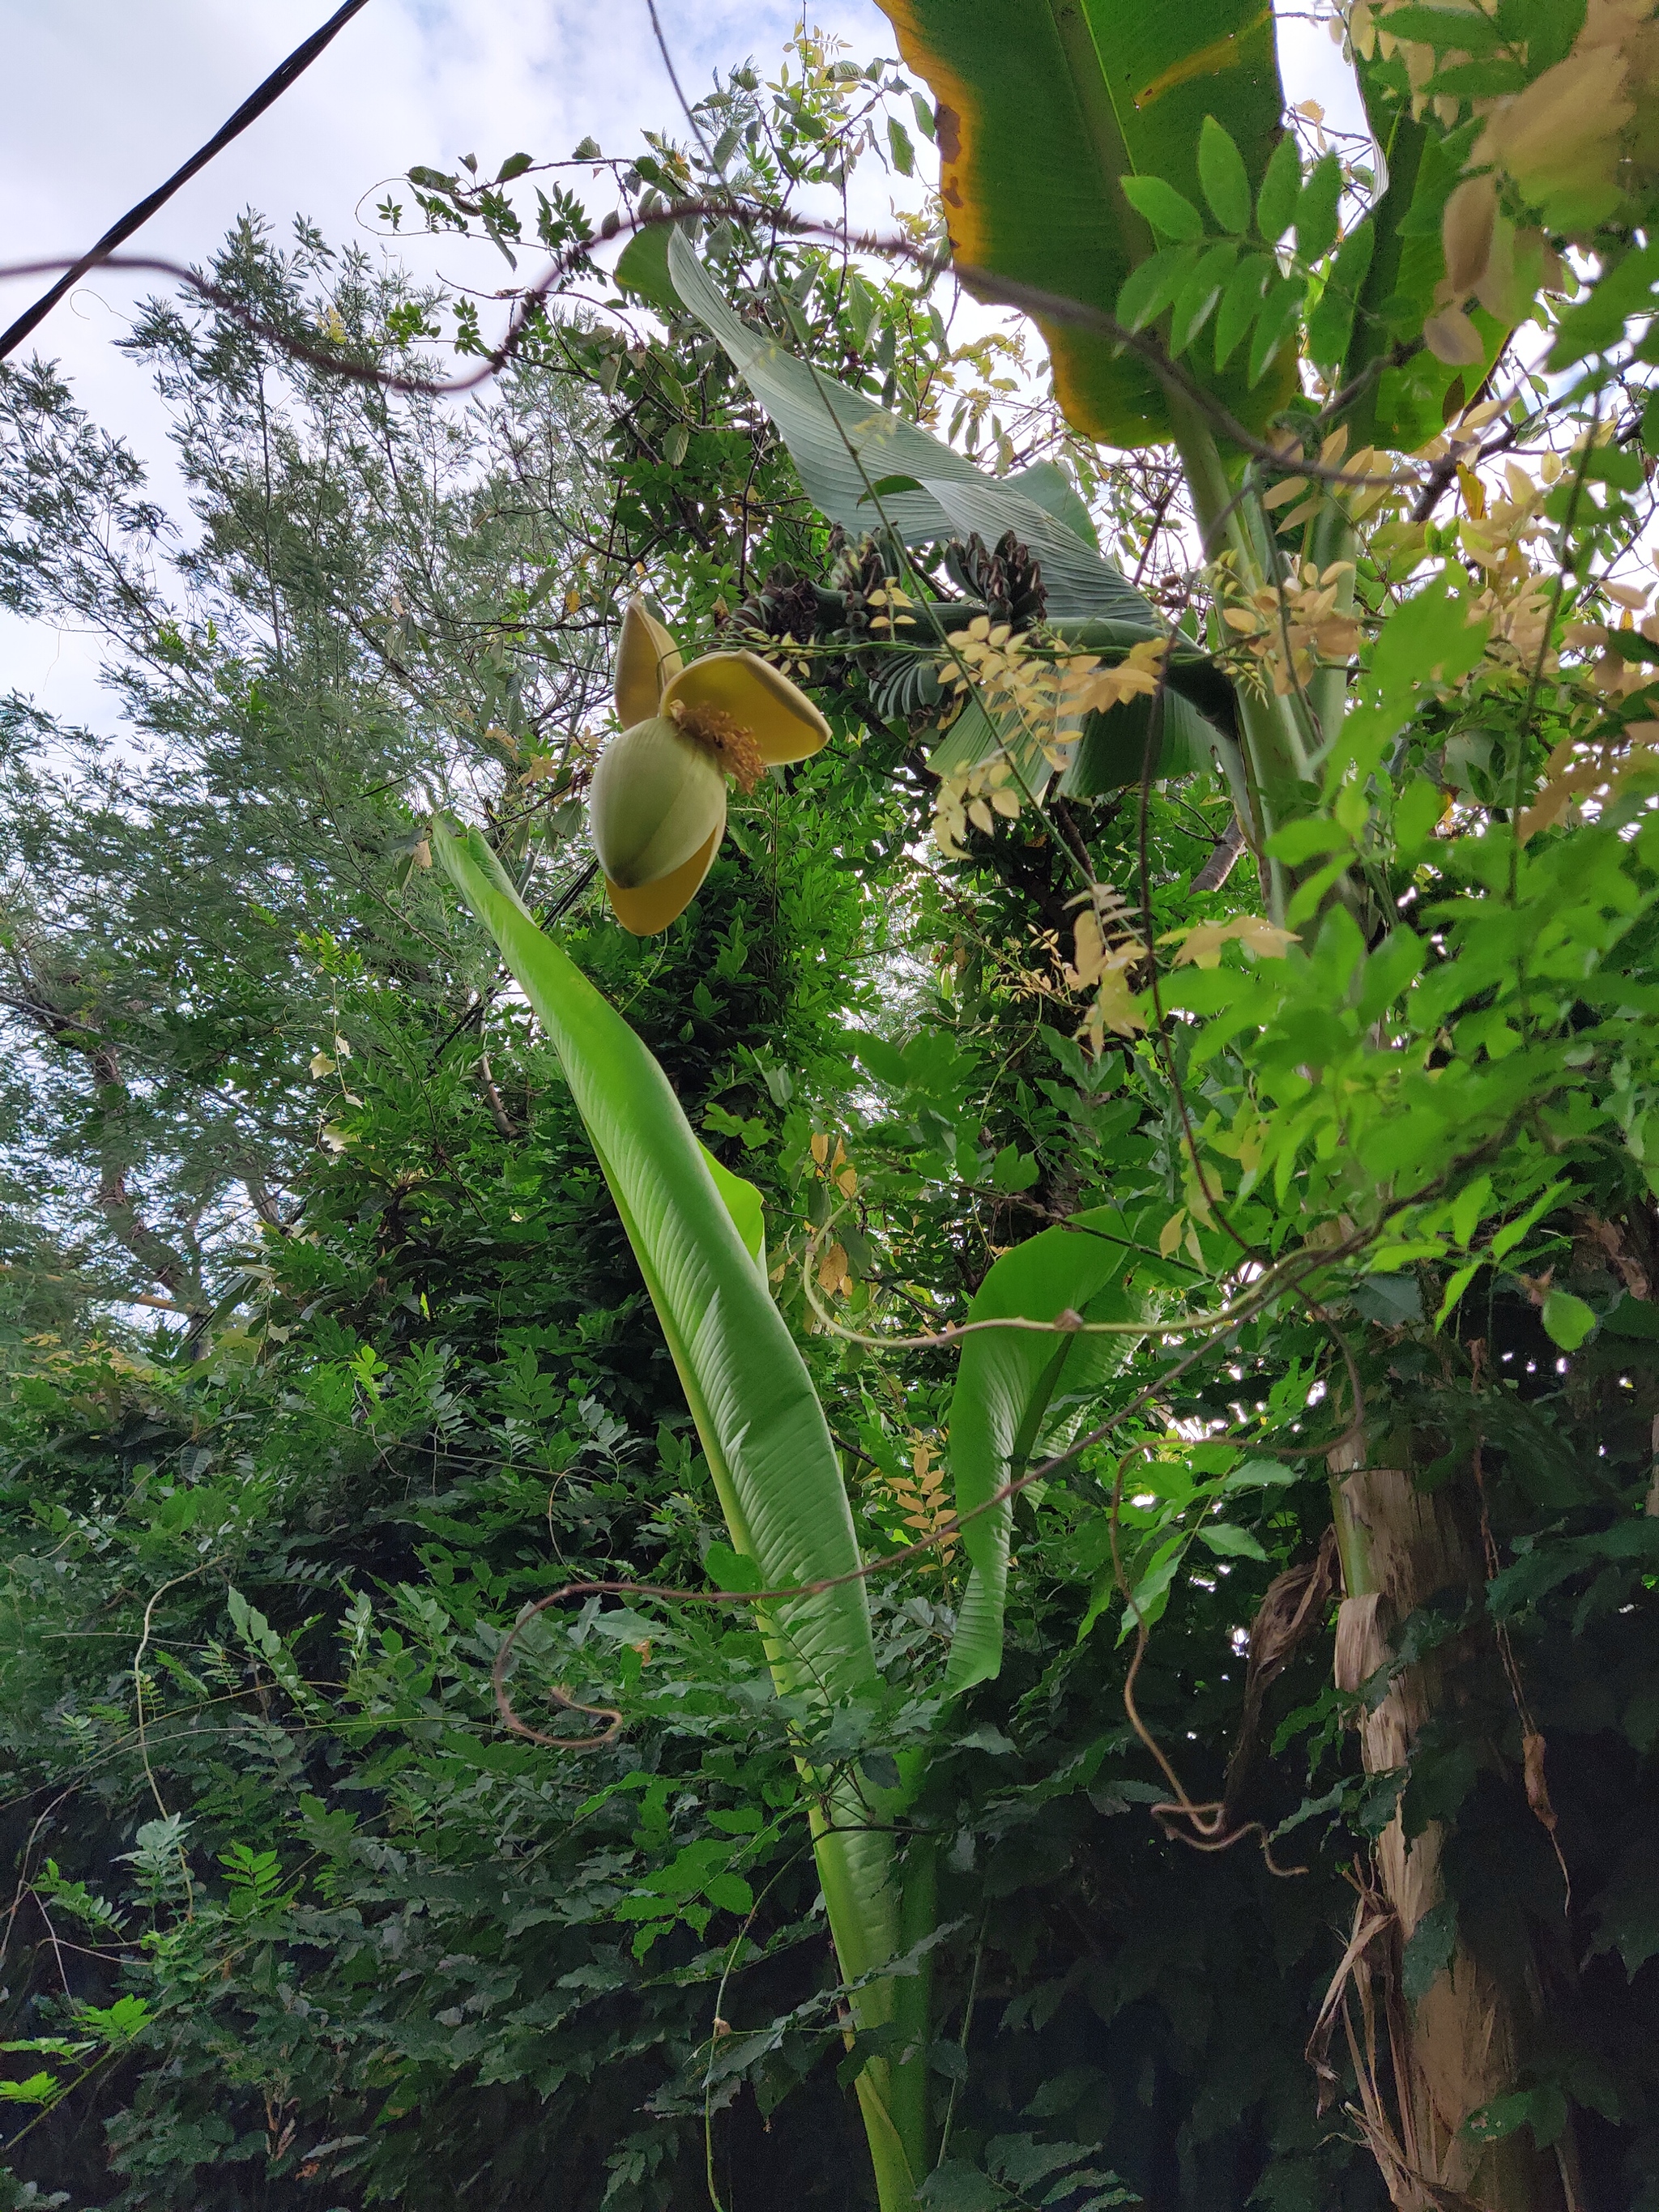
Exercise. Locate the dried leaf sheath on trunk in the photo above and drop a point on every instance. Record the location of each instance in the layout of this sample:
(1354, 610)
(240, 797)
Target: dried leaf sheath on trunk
(1466, 2038)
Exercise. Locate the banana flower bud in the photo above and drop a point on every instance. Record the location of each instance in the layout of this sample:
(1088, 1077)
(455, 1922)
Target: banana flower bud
(657, 808)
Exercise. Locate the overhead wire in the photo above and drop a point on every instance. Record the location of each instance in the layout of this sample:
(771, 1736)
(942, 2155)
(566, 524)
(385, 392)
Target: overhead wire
(286, 74)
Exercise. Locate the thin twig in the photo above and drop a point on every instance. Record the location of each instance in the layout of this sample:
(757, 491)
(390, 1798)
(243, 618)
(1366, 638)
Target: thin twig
(530, 305)
(674, 79)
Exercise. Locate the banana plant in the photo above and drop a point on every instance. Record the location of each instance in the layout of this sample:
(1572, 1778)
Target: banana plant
(1081, 149)
(696, 1231)
(1135, 160)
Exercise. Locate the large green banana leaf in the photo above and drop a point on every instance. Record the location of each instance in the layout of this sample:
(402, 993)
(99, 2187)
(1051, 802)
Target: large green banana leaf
(743, 1202)
(1121, 747)
(1048, 483)
(843, 444)
(695, 1232)
(1116, 748)
(768, 1443)
(1043, 105)
(1005, 1384)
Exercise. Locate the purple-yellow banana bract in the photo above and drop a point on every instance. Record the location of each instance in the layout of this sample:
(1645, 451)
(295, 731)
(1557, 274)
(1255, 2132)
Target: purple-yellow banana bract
(657, 810)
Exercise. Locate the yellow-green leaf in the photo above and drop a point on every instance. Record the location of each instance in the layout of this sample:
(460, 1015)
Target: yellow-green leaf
(1150, 287)
(1240, 303)
(1315, 209)
(1567, 1320)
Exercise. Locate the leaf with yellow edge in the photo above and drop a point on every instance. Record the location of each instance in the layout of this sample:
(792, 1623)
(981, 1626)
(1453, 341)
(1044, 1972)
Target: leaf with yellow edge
(1044, 107)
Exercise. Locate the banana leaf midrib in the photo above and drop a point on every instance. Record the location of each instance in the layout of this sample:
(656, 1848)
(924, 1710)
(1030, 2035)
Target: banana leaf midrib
(1091, 86)
(822, 1647)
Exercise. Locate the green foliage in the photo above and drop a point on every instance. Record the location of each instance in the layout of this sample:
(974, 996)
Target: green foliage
(292, 1912)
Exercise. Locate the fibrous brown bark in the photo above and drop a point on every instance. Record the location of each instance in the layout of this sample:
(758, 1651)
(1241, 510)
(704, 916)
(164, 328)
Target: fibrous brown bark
(1463, 2044)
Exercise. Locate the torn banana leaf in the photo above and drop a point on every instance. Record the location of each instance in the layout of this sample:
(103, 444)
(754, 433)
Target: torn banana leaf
(844, 446)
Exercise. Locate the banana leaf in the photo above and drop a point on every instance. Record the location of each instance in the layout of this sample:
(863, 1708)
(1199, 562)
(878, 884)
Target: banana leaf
(695, 1232)
(1196, 731)
(976, 736)
(758, 1417)
(843, 444)
(1006, 1386)
(1043, 107)
(1048, 483)
(1197, 728)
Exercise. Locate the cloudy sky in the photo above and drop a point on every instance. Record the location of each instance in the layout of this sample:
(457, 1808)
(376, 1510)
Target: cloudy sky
(106, 97)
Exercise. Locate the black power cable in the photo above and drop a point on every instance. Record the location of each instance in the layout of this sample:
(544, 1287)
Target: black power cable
(254, 106)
